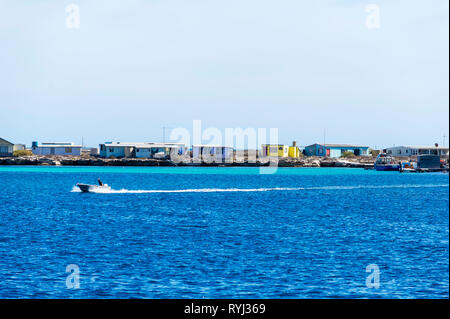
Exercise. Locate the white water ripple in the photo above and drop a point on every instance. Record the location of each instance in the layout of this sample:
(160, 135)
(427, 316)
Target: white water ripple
(216, 190)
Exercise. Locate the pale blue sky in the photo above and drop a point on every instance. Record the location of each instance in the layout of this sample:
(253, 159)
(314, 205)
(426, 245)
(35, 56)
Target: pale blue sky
(300, 66)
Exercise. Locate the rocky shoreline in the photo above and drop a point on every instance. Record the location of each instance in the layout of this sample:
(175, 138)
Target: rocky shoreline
(355, 162)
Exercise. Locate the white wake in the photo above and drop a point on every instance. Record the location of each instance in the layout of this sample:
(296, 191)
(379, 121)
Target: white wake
(270, 189)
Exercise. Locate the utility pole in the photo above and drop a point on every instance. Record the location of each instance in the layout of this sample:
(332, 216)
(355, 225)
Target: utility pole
(443, 140)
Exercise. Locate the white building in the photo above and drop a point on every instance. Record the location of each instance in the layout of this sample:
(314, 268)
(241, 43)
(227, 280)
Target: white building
(19, 147)
(212, 153)
(405, 151)
(56, 148)
(152, 150)
(117, 149)
(140, 150)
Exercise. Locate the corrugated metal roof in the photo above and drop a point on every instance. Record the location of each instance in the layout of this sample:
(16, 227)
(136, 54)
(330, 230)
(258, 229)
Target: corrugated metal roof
(141, 144)
(61, 146)
(340, 145)
(124, 144)
(206, 145)
(3, 141)
(159, 145)
(345, 145)
(419, 147)
(274, 145)
(57, 143)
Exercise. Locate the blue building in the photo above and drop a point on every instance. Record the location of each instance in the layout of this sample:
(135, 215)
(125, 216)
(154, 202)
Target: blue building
(335, 150)
(6, 148)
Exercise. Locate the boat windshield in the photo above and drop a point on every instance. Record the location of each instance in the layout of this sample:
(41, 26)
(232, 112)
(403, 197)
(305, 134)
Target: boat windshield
(384, 159)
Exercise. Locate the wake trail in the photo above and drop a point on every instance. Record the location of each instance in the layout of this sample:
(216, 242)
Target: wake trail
(270, 189)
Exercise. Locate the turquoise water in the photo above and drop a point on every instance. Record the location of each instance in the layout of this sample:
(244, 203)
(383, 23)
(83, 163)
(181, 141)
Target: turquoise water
(204, 232)
(191, 170)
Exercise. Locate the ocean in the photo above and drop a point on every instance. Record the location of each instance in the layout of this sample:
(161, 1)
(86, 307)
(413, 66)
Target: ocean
(205, 232)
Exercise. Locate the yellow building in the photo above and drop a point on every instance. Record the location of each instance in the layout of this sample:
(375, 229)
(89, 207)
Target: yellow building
(280, 150)
(294, 151)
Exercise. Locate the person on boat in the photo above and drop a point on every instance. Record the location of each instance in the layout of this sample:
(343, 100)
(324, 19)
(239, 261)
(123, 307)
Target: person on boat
(100, 182)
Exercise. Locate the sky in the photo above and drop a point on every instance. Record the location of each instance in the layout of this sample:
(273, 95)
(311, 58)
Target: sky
(303, 67)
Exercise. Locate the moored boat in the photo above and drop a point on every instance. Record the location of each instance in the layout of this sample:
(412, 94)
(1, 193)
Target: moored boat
(385, 162)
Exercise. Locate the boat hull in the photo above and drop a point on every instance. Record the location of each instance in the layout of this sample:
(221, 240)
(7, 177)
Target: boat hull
(387, 167)
(86, 188)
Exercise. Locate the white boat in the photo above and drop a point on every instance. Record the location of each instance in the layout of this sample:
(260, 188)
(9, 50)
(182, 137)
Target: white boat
(87, 188)
(385, 162)
(408, 167)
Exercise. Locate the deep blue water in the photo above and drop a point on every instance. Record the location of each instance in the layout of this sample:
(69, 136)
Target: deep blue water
(313, 238)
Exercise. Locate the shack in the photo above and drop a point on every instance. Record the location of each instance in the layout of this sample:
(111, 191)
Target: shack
(56, 148)
(6, 148)
(335, 150)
